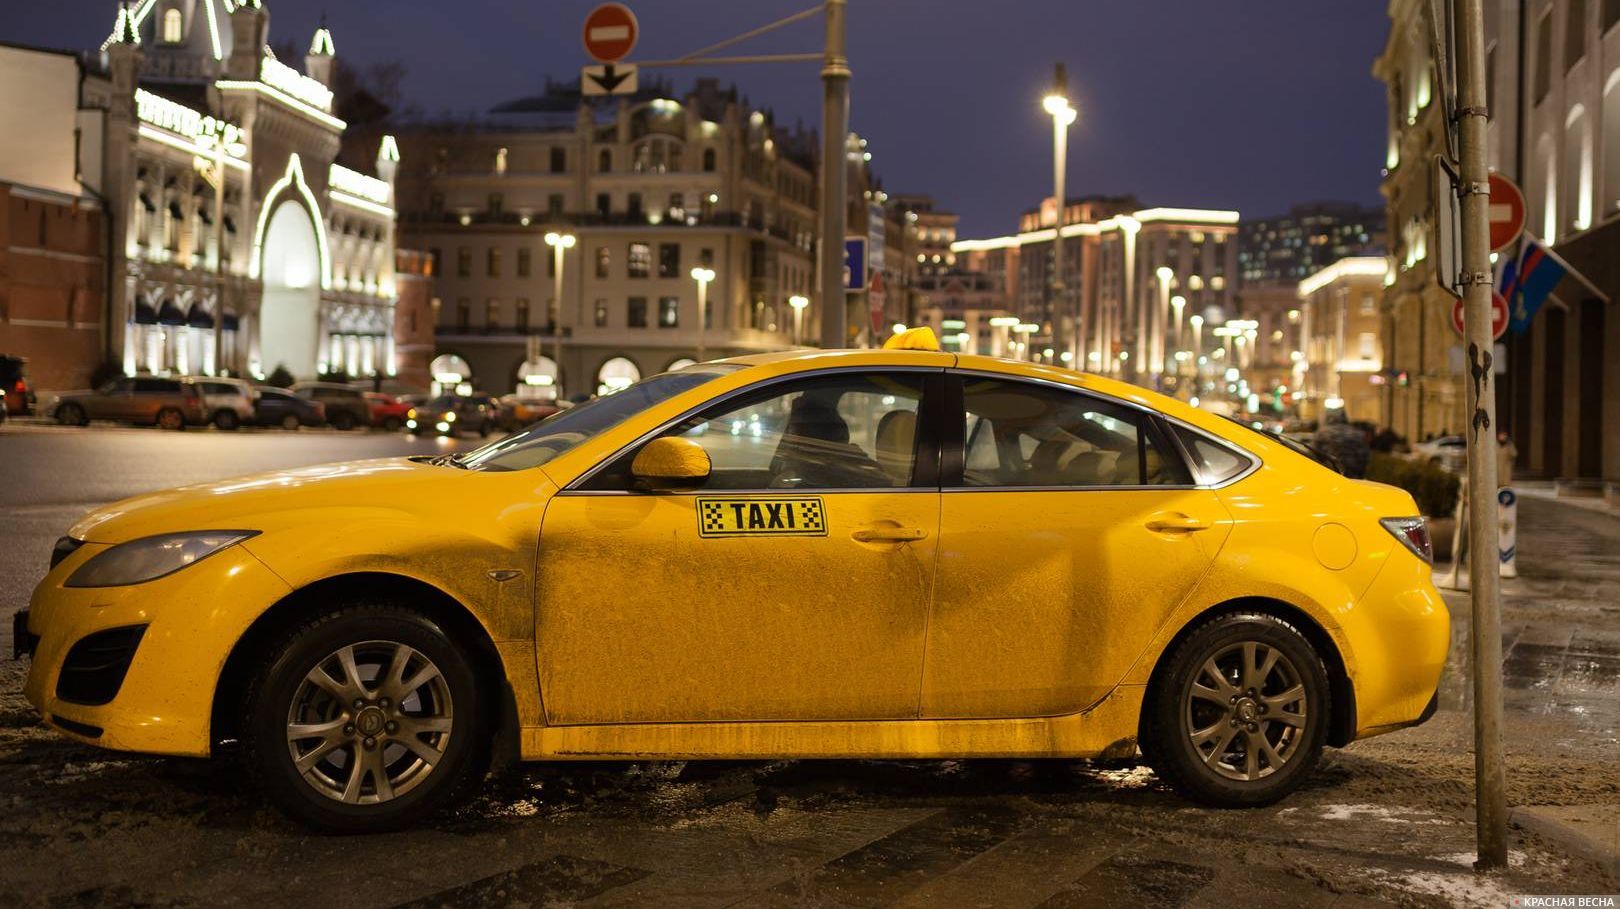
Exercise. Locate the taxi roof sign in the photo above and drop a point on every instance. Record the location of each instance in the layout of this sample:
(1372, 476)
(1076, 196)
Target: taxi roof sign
(913, 339)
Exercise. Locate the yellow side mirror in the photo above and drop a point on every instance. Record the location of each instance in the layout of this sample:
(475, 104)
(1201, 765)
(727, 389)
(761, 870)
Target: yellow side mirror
(670, 463)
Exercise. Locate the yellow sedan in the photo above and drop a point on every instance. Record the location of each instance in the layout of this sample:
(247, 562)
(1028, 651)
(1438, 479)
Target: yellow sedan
(883, 554)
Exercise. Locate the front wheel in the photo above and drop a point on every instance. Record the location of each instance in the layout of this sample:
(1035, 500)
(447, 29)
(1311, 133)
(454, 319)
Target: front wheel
(72, 415)
(227, 420)
(290, 422)
(368, 720)
(171, 419)
(1238, 713)
(391, 424)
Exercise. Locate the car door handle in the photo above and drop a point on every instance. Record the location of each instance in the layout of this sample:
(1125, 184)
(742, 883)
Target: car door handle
(1176, 523)
(889, 535)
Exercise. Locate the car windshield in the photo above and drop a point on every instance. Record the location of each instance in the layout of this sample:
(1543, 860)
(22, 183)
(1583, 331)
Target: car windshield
(564, 430)
(440, 403)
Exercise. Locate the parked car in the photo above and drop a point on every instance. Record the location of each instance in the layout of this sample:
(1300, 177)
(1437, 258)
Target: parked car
(280, 407)
(19, 397)
(517, 412)
(450, 414)
(229, 402)
(346, 408)
(387, 411)
(1450, 452)
(165, 403)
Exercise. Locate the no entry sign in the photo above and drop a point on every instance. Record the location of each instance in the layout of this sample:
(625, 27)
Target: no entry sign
(610, 32)
(1506, 208)
(1499, 317)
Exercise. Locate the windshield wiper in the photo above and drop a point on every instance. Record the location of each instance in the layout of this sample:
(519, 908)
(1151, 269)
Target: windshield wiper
(453, 459)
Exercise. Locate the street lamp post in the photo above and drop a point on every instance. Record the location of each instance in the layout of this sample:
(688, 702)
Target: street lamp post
(1008, 323)
(1177, 304)
(1024, 330)
(798, 302)
(559, 244)
(703, 276)
(1165, 276)
(1198, 334)
(1063, 114)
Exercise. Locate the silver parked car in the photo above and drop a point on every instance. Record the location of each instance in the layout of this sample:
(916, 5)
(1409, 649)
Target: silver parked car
(228, 402)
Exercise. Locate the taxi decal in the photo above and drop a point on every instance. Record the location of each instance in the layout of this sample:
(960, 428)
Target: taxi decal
(777, 516)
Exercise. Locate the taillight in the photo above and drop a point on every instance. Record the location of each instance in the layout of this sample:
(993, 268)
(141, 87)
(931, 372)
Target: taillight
(1413, 534)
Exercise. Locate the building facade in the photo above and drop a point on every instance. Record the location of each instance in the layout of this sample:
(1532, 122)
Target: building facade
(1342, 329)
(235, 242)
(649, 189)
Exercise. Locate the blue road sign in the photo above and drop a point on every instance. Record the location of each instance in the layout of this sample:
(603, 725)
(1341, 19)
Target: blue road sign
(854, 263)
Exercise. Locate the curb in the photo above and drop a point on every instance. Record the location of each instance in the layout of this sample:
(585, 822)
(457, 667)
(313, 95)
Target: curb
(1589, 831)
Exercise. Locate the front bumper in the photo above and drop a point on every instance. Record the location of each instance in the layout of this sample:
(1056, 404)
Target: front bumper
(164, 701)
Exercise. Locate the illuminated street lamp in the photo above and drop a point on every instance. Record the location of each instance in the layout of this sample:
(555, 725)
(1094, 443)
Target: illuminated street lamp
(559, 243)
(703, 276)
(1198, 332)
(798, 302)
(1025, 329)
(1178, 303)
(1063, 114)
(1165, 276)
(1007, 322)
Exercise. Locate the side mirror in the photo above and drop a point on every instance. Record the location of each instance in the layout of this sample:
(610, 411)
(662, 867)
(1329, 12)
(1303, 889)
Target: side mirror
(670, 464)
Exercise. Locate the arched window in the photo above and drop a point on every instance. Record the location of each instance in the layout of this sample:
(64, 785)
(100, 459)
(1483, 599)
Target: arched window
(616, 374)
(604, 161)
(708, 160)
(172, 26)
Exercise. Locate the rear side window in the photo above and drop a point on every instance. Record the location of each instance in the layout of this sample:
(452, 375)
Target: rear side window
(1213, 462)
(1019, 434)
(157, 385)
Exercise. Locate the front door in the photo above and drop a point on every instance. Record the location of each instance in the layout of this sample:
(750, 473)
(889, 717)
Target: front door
(1069, 533)
(794, 585)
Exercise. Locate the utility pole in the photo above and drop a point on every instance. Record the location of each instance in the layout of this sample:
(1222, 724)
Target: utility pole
(1490, 784)
(834, 179)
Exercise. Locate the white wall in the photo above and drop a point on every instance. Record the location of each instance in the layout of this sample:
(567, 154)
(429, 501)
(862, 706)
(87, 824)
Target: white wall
(39, 100)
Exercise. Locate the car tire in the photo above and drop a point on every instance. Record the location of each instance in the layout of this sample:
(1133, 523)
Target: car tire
(72, 415)
(312, 778)
(343, 420)
(227, 420)
(290, 422)
(171, 419)
(1249, 736)
(391, 424)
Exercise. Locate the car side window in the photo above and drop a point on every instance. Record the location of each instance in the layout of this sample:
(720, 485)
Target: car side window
(156, 385)
(1214, 463)
(844, 431)
(1020, 434)
(118, 386)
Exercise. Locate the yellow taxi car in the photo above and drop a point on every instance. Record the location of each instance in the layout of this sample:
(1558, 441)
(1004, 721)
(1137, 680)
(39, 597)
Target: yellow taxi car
(812, 554)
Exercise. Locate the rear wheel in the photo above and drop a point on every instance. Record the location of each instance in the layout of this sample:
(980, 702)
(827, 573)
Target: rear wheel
(343, 420)
(227, 420)
(71, 415)
(1239, 712)
(369, 719)
(290, 422)
(169, 418)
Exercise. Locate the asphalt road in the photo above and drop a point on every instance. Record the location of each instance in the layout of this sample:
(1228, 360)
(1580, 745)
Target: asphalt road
(1383, 821)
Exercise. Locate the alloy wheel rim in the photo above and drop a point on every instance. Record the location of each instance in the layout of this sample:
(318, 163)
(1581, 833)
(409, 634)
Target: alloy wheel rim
(369, 722)
(1244, 711)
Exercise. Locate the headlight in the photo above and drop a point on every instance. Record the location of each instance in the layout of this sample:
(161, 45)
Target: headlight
(450, 418)
(152, 557)
(411, 414)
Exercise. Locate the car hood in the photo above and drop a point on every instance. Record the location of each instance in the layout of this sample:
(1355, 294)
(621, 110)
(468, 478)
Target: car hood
(273, 500)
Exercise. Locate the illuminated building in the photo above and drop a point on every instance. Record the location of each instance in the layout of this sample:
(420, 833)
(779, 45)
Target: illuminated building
(1340, 362)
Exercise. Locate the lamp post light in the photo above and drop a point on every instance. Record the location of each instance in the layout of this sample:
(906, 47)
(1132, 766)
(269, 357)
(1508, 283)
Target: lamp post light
(1178, 303)
(1166, 276)
(1008, 323)
(1063, 114)
(703, 276)
(559, 243)
(798, 302)
(1025, 329)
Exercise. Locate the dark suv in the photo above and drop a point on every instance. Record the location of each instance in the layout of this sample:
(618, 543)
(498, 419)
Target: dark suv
(346, 407)
(153, 400)
(15, 395)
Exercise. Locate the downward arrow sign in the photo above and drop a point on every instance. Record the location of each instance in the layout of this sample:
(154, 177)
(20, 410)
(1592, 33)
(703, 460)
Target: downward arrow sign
(608, 79)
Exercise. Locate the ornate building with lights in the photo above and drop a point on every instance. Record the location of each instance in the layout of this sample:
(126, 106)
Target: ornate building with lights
(235, 242)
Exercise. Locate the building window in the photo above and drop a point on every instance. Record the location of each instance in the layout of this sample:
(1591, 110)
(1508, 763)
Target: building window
(1575, 33)
(669, 312)
(633, 205)
(638, 261)
(494, 205)
(601, 313)
(1544, 50)
(522, 314)
(635, 314)
(494, 263)
(604, 259)
(463, 262)
(436, 204)
(500, 160)
(525, 261)
(708, 160)
(463, 313)
(677, 206)
(554, 204)
(559, 161)
(604, 161)
(173, 26)
(669, 260)
(615, 375)
(706, 257)
(1369, 346)
(604, 204)
(492, 313)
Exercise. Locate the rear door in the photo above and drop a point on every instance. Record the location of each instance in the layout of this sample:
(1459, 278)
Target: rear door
(1070, 528)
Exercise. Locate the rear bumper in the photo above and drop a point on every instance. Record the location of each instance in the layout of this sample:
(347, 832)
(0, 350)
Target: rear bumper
(1400, 633)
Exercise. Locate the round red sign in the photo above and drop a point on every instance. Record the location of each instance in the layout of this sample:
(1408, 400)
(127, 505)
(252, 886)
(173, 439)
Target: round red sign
(1506, 208)
(610, 32)
(1499, 317)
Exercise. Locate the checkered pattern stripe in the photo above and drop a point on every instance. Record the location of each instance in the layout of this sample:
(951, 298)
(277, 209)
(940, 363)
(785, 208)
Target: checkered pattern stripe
(712, 516)
(810, 515)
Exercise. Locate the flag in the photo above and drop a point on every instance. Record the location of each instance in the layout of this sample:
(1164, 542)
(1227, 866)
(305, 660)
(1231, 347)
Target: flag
(1538, 273)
